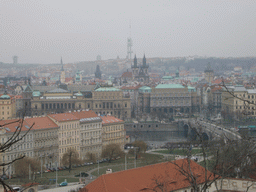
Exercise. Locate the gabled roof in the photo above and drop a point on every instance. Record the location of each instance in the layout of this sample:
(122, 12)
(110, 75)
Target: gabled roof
(28, 89)
(144, 178)
(63, 117)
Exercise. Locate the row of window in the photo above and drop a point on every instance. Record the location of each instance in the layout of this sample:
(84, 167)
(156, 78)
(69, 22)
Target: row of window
(69, 126)
(57, 106)
(69, 141)
(69, 134)
(90, 134)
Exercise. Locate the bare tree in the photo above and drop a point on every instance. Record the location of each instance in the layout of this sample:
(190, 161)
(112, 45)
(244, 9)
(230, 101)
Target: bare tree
(111, 151)
(14, 139)
(70, 158)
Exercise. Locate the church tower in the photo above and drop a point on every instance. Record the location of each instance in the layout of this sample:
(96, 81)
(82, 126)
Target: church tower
(209, 74)
(135, 68)
(62, 73)
(145, 66)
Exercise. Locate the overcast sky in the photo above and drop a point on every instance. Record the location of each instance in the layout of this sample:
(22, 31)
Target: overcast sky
(79, 30)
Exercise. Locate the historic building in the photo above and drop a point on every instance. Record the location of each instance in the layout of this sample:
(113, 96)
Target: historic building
(171, 98)
(69, 132)
(45, 140)
(144, 99)
(209, 74)
(234, 101)
(140, 73)
(40, 142)
(7, 106)
(113, 131)
(90, 133)
(43, 100)
(111, 101)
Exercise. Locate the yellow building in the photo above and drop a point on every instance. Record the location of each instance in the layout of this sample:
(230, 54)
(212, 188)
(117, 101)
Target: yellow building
(69, 132)
(113, 131)
(7, 106)
(90, 133)
(234, 101)
(111, 101)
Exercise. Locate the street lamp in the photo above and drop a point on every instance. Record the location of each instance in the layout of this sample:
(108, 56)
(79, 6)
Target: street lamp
(135, 156)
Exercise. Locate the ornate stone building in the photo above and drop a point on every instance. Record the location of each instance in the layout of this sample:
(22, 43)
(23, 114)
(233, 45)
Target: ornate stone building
(56, 100)
(111, 101)
(7, 106)
(171, 98)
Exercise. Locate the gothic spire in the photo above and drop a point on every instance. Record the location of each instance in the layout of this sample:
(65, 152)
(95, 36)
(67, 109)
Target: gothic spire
(144, 60)
(135, 61)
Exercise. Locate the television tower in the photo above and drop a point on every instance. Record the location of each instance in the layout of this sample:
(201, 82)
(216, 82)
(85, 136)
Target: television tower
(129, 45)
(15, 59)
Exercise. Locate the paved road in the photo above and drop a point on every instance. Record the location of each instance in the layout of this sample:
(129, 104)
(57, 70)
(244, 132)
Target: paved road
(64, 189)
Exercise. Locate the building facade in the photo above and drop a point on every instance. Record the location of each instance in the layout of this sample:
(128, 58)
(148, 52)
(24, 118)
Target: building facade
(7, 106)
(107, 100)
(111, 101)
(90, 133)
(69, 132)
(113, 131)
(238, 101)
(171, 98)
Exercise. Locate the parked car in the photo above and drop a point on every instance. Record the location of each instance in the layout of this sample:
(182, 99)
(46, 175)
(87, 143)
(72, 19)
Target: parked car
(16, 189)
(83, 174)
(64, 183)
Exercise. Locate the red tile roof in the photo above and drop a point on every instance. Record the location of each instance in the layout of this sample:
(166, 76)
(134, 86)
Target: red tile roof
(144, 178)
(127, 74)
(85, 114)
(63, 117)
(18, 97)
(39, 123)
(110, 119)
(217, 81)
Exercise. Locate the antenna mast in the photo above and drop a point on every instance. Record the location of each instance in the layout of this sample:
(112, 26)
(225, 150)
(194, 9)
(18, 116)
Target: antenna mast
(129, 45)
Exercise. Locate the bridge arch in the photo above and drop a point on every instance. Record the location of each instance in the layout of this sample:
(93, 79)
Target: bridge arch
(205, 136)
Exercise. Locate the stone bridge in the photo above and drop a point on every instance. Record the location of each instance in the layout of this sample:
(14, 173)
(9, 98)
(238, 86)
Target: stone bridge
(208, 130)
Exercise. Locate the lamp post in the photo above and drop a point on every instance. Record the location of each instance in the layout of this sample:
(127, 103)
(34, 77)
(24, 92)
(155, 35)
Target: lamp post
(135, 156)
(56, 174)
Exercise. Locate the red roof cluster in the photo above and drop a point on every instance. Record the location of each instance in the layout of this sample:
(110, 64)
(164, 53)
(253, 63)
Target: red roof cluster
(127, 74)
(110, 119)
(146, 178)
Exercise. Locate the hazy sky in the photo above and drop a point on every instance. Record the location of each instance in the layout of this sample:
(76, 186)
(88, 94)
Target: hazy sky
(78, 30)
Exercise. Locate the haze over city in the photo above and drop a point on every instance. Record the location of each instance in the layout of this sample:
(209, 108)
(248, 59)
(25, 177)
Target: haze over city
(43, 31)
